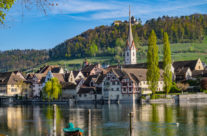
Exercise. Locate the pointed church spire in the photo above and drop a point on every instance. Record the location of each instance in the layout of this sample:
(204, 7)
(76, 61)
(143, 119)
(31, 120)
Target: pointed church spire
(130, 50)
(130, 36)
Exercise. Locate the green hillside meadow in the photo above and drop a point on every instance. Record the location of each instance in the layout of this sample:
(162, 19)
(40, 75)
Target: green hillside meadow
(180, 51)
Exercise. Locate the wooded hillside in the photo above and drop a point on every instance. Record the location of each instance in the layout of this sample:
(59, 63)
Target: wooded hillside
(110, 40)
(22, 59)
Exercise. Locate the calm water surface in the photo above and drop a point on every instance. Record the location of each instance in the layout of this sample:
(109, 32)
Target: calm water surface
(107, 120)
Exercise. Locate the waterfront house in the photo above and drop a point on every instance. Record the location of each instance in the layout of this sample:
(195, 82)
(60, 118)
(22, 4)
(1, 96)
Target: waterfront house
(185, 70)
(124, 84)
(12, 84)
(88, 94)
(111, 85)
(37, 81)
(70, 90)
(135, 82)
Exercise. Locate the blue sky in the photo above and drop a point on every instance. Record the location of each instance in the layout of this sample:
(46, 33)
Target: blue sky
(32, 29)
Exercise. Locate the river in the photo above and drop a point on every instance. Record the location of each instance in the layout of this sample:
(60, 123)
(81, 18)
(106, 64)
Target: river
(106, 120)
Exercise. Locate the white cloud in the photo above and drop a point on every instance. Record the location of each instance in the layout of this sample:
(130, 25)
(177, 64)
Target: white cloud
(114, 9)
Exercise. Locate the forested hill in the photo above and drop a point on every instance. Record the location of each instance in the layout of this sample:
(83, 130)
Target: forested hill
(107, 40)
(22, 59)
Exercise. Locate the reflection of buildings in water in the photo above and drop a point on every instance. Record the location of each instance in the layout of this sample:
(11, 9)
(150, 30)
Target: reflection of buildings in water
(145, 113)
(37, 119)
(76, 116)
(15, 119)
(161, 113)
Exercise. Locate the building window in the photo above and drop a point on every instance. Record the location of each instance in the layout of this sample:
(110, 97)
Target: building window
(85, 95)
(117, 89)
(127, 53)
(113, 83)
(130, 89)
(13, 90)
(112, 89)
(133, 53)
(79, 95)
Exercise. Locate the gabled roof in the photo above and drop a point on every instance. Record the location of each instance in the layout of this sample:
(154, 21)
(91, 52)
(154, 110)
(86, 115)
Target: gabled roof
(75, 73)
(88, 68)
(181, 71)
(4, 77)
(10, 78)
(89, 79)
(183, 64)
(139, 74)
(199, 73)
(67, 85)
(59, 76)
(40, 77)
(47, 68)
(100, 78)
(141, 65)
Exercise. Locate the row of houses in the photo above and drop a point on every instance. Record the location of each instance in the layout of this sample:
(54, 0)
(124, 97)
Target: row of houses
(92, 82)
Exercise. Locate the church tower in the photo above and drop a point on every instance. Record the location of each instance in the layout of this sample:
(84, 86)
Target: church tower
(130, 50)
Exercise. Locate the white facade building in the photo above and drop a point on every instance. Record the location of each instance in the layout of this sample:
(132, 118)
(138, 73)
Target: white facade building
(111, 87)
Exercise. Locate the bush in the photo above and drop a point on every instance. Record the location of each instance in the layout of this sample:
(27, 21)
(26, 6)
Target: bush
(174, 88)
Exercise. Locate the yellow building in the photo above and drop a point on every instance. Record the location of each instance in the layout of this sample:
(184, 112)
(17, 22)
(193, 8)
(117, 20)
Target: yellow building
(12, 83)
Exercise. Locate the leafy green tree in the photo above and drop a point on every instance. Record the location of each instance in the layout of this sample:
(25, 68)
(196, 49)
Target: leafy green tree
(153, 72)
(93, 49)
(167, 64)
(5, 5)
(52, 89)
(119, 43)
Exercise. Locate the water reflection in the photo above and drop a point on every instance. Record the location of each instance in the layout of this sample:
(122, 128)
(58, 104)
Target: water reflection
(162, 119)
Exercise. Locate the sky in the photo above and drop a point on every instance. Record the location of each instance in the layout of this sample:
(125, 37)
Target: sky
(32, 28)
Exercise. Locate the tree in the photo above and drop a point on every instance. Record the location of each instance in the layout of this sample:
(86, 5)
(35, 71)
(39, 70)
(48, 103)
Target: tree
(52, 89)
(120, 43)
(167, 64)
(93, 49)
(153, 72)
(5, 5)
(182, 86)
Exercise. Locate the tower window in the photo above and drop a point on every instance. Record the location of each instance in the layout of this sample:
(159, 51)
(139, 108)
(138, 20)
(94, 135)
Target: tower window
(127, 54)
(133, 53)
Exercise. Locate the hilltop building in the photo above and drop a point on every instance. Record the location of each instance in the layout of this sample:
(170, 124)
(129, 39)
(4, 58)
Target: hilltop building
(130, 50)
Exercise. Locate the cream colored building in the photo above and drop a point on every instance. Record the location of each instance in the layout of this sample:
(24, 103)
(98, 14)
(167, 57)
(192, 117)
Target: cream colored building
(12, 84)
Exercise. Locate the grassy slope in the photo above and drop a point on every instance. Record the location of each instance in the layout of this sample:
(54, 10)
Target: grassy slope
(180, 51)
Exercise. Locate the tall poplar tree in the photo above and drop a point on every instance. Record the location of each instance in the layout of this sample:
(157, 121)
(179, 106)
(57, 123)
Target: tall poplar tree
(167, 64)
(153, 72)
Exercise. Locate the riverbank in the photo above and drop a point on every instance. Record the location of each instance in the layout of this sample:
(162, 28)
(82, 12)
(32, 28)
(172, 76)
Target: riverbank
(182, 98)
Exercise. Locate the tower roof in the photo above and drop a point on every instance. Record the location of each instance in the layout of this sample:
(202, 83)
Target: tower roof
(130, 41)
